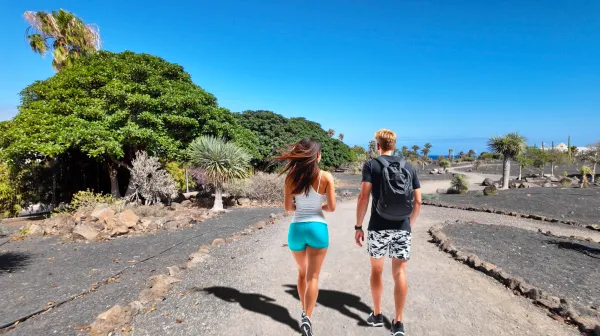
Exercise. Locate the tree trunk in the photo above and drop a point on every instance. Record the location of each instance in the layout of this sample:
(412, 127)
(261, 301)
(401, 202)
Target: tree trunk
(520, 172)
(114, 182)
(218, 206)
(594, 173)
(552, 168)
(506, 173)
(187, 185)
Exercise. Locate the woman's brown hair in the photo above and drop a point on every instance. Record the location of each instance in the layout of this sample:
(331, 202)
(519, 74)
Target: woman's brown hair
(302, 165)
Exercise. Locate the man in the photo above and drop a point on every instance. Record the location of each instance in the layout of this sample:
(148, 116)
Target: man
(394, 185)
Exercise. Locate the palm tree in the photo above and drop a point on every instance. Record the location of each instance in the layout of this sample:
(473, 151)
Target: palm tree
(426, 149)
(592, 155)
(450, 152)
(460, 183)
(510, 145)
(461, 154)
(221, 161)
(405, 152)
(63, 33)
(330, 133)
(341, 137)
(415, 149)
(471, 153)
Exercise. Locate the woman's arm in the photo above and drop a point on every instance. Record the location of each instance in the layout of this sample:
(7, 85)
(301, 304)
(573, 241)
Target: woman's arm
(288, 199)
(330, 193)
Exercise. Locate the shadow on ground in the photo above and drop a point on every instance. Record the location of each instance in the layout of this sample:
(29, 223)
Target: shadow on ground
(589, 251)
(257, 303)
(342, 302)
(13, 261)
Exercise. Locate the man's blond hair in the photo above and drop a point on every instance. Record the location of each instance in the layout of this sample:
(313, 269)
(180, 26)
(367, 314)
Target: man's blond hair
(386, 139)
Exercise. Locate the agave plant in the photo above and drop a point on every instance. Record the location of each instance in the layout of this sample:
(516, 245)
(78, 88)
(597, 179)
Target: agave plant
(63, 33)
(460, 183)
(221, 162)
(510, 145)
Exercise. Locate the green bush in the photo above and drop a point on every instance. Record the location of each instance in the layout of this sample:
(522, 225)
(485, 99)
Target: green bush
(468, 159)
(445, 164)
(10, 198)
(460, 183)
(429, 197)
(565, 181)
(178, 174)
(565, 174)
(490, 156)
(88, 200)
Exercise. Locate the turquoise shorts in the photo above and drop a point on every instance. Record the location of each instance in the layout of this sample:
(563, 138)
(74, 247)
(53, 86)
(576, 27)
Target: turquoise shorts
(312, 234)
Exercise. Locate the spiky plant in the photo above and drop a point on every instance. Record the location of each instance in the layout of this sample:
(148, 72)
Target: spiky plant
(67, 36)
(510, 145)
(150, 183)
(426, 149)
(221, 161)
(585, 171)
(460, 183)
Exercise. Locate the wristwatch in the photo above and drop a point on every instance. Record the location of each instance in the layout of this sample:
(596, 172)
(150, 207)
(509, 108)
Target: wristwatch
(358, 228)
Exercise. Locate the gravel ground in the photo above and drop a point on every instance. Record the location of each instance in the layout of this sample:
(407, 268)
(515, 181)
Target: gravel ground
(246, 288)
(580, 205)
(43, 271)
(566, 268)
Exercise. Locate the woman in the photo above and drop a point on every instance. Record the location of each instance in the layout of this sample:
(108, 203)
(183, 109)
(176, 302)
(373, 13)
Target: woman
(308, 237)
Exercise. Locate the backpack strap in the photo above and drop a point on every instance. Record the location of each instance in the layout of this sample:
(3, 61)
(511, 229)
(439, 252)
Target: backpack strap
(382, 162)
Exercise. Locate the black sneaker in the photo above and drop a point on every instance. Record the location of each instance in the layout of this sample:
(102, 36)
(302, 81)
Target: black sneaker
(306, 325)
(375, 320)
(397, 329)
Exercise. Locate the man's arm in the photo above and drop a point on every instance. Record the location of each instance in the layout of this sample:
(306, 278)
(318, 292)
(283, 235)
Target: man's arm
(363, 202)
(416, 208)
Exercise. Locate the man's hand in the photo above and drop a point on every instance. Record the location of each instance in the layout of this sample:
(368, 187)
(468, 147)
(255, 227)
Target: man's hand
(359, 237)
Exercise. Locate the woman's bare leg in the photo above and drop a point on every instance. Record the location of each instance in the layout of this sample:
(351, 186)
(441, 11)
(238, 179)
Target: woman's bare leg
(315, 259)
(301, 261)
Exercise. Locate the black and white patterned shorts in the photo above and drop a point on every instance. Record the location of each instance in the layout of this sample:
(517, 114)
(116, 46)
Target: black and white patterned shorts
(393, 243)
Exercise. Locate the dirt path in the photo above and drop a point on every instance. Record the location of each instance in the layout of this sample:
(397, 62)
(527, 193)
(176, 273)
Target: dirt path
(246, 288)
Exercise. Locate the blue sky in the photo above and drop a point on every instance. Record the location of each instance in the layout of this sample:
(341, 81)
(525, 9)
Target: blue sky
(449, 72)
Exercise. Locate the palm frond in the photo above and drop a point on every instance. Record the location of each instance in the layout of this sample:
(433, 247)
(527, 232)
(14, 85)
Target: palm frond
(509, 145)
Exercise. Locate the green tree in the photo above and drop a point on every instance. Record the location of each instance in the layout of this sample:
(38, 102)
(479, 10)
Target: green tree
(415, 149)
(426, 149)
(361, 153)
(63, 33)
(471, 153)
(524, 161)
(510, 146)
(341, 137)
(556, 157)
(108, 106)
(539, 157)
(405, 152)
(221, 161)
(10, 198)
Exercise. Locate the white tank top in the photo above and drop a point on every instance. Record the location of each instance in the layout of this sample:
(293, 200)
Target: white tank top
(308, 207)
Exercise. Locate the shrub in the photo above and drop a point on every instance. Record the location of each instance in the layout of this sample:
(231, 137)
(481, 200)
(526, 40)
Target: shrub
(9, 195)
(460, 183)
(477, 164)
(150, 183)
(468, 159)
(565, 174)
(445, 164)
(429, 197)
(88, 200)
(178, 174)
(565, 181)
(260, 186)
(490, 190)
(585, 171)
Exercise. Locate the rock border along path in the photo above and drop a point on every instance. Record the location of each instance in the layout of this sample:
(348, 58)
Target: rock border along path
(243, 289)
(559, 307)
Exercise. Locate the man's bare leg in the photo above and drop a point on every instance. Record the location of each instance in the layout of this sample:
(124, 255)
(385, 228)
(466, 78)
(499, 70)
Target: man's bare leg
(377, 283)
(400, 287)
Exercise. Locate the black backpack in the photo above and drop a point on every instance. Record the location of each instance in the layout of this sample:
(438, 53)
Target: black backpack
(396, 194)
